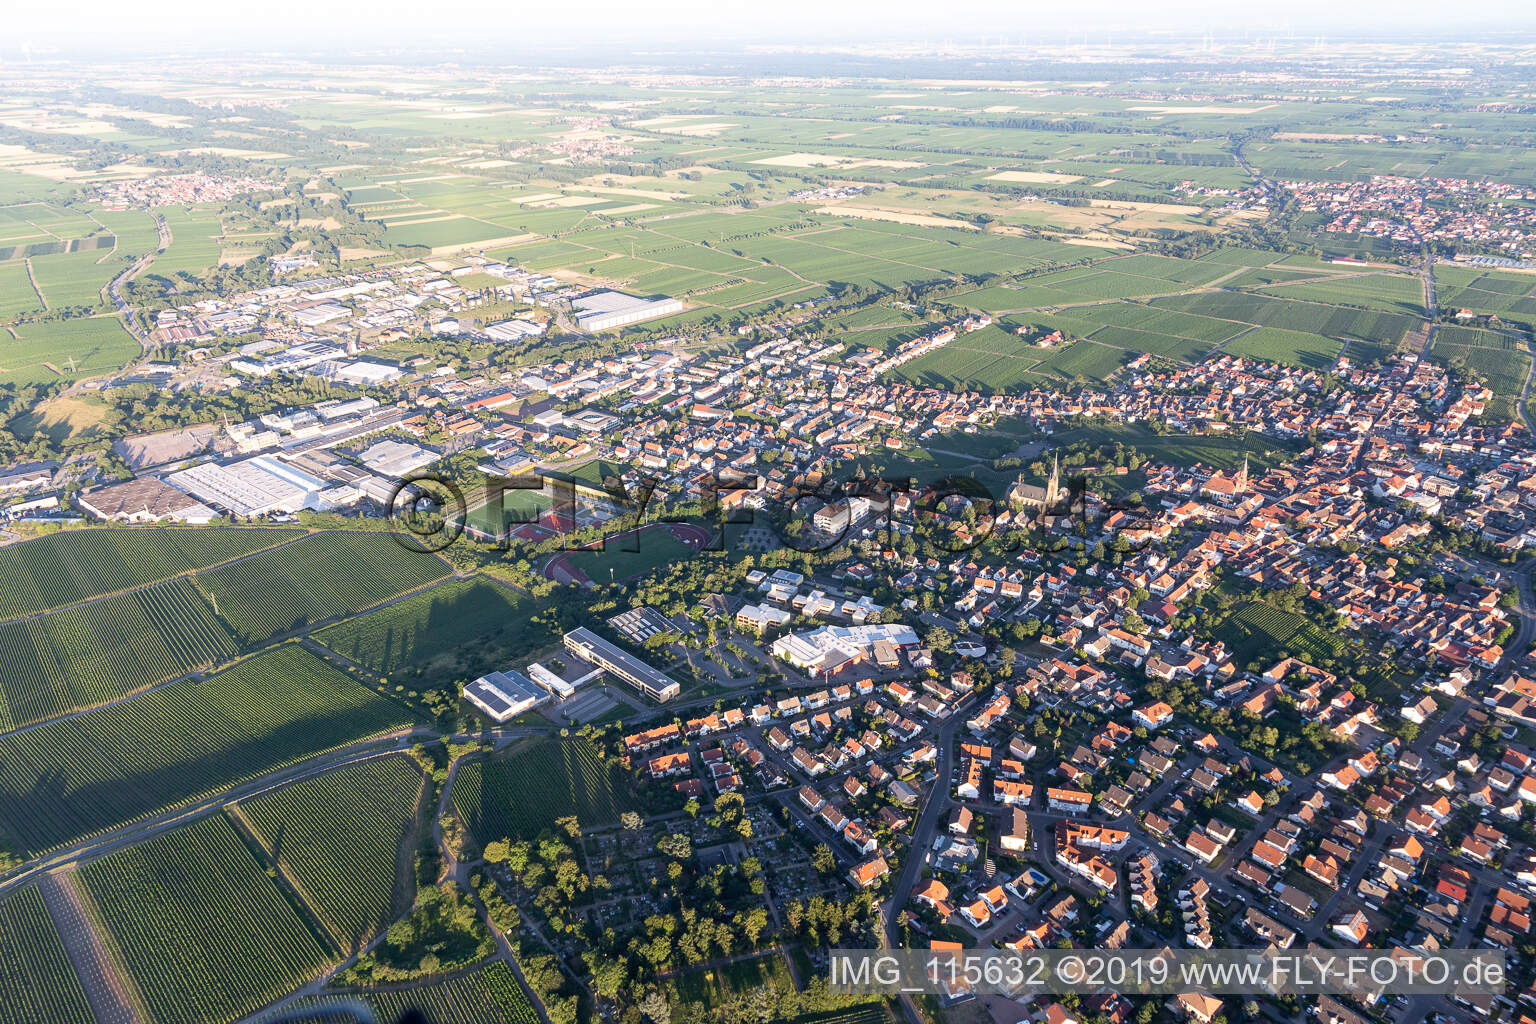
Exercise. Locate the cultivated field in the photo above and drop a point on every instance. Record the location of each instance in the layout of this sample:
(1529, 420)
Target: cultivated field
(178, 744)
(198, 927)
(316, 578)
(338, 840)
(460, 619)
(63, 568)
(523, 793)
(486, 995)
(37, 982)
(56, 350)
(91, 653)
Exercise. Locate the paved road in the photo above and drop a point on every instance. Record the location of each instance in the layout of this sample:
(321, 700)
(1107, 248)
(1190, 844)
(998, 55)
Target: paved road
(115, 288)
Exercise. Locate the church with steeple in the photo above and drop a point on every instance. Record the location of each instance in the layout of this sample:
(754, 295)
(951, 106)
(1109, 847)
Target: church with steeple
(1223, 485)
(1035, 498)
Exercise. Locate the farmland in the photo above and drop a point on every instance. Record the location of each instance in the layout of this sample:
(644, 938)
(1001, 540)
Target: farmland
(16, 292)
(1498, 358)
(338, 839)
(1511, 296)
(315, 578)
(1257, 628)
(522, 793)
(489, 995)
(37, 982)
(63, 568)
(167, 906)
(91, 653)
(1185, 310)
(64, 349)
(468, 621)
(179, 743)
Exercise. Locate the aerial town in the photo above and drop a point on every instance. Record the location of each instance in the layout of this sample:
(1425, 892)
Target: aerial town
(520, 585)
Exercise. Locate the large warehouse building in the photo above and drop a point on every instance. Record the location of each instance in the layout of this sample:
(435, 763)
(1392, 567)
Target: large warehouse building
(255, 487)
(594, 650)
(603, 311)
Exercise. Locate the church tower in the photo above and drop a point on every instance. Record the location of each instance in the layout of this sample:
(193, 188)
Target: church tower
(1242, 478)
(1053, 486)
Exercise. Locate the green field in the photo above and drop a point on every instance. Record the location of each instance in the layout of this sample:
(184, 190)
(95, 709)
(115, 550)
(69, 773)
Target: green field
(463, 619)
(57, 350)
(37, 982)
(338, 839)
(99, 651)
(1293, 348)
(1509, 295)
(523, 793)
(16, 292)
(656, 547)
(178, 744)
(199, 928)
(486, 995)
(1500, 359)
(63, 568)
(319, 577)
(1389, 293)
(75, 278)
(1263, 632)
(194, 245)
(709, 987)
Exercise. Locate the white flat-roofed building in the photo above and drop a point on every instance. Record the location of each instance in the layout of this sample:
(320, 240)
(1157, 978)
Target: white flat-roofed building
(513, 330)
(561, 688)
(603, 311)
(319, 313)
(760, 617)
(256, 487)
(594, 650)
(391, 458)
(358, 372)
(504, 695)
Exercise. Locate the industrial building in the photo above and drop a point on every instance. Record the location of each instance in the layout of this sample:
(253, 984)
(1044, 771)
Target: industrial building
(358, 372)
(256, 487)
(504, 695)
(513, 330)
(396, 459)
(594, 650)
(145, 500)
(603, 311)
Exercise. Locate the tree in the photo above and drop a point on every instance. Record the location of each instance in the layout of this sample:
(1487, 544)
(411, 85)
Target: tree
(498, 850)
(610, 974)
(753, 924)
(823, 859)
(570, 825)
(654, 1007)
(631, 820)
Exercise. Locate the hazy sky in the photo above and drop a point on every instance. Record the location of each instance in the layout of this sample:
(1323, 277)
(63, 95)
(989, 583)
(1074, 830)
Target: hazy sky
(310, 24)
